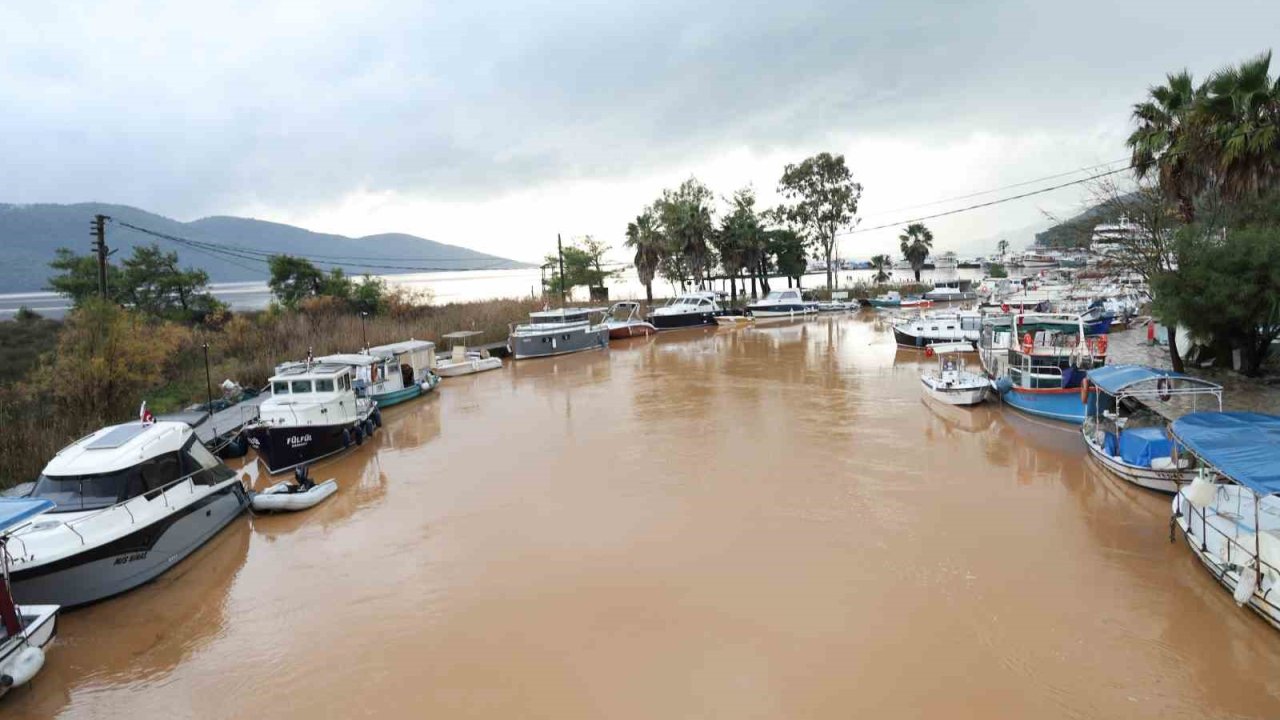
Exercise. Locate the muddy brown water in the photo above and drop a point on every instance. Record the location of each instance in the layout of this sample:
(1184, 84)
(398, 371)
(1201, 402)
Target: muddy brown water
(763, 522)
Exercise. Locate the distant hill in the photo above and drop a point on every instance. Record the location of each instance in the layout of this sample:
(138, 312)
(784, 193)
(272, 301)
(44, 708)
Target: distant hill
(1077, 232)
(29, 235)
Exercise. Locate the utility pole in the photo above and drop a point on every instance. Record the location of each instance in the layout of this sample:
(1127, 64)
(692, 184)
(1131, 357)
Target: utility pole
(100, 246)
(560, 255)
(208, 381)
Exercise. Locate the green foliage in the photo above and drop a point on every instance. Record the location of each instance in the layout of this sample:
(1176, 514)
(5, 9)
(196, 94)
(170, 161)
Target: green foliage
(881, 263)
(583, 265)
(916, 241)
(77, 277)
(23, 341)
(1227, 288)
(296, 283)
(643, 237)
(685, 221)
(996, 270)
(293, 279)
(825, 200)
(789, 249)
(149, 281)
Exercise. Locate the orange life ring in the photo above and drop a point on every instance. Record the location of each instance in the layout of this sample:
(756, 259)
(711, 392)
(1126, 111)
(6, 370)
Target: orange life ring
(1102, 344)
(1027, 343)
(1004, 307)
(928, 351)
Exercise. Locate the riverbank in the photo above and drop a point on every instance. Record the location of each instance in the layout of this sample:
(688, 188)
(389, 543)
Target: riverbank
(70, 378)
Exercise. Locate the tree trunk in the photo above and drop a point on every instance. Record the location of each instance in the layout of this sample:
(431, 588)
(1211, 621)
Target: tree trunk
(733, 289)
(788, 281)
(648, 291)
(1175, 360)
(753, 285)
(917, 272)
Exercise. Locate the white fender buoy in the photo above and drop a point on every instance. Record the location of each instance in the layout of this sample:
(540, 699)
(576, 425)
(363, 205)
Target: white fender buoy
(1200, 492)
(22, 668)
(1245, 585)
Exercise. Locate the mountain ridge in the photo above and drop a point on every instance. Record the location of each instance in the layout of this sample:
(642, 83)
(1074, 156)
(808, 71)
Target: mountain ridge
(31, 233)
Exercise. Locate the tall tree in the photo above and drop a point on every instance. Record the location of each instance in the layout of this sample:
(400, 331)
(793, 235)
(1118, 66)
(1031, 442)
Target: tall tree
(825, 200)
(77, 277)
(916, 241)
(788, 248)
(293, 279)
(644, 238)
(1003, 247)
(740, 236)
(153, 283)
(1239, 112)
(583, 265)
(1167, 144)
(685, 217)
(880, 262)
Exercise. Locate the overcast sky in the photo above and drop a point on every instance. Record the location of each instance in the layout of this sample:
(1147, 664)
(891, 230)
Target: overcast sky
(497, 125)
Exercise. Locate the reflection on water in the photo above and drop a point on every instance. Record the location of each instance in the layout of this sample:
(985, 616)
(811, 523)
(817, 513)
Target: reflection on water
(757, 521)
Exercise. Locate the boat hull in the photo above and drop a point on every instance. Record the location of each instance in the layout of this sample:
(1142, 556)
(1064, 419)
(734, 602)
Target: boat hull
(395, 397)
(40, 627)
(954, 395)
(131, 560)
(524, 347)
(634, 329)
(682, 320)
(277, 498)
(1158, 480)
(468, 367)
(790, 310)
(1225, 570)
(907, 340)
(1062, 405)
(283, 448)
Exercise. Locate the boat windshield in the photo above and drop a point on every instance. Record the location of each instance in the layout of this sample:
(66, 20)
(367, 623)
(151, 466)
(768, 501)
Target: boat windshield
(75, 493)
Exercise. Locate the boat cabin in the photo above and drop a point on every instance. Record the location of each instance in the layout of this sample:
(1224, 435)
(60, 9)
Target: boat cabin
(552, 319)
(121, 462)
(311, 394)
(404, 364)
(1129, 408)
(1040, 351)
(702, 301)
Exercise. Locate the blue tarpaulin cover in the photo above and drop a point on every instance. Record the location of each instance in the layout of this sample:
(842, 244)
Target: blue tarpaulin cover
(14, 511)
(1114, 378)
(1139, 445)
(1245, 446)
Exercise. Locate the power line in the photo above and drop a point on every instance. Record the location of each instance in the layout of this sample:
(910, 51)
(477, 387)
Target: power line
(1003, 187)
(986, 204)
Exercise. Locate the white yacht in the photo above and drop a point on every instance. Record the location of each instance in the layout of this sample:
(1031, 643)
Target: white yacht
(130, 502)
(782, 303)
(946, 261)
(688, 310)
(313, 412)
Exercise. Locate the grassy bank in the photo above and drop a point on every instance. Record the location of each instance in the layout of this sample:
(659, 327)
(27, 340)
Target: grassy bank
(70, 378)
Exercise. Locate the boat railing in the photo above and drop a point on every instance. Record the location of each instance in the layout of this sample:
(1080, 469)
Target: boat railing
(164, 492)
(1243, 554)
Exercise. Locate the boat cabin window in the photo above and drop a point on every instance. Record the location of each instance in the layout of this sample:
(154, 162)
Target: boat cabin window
(154, 474)
(204, 468)
(280, 387)
(71, 493)
(300, 386)
(325, 385)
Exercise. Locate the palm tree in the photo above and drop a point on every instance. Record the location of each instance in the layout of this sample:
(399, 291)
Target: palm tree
(880, 262)
(647, 241)
(917, 241)
(1240, 115)
(1169, 144)
(1003, 246)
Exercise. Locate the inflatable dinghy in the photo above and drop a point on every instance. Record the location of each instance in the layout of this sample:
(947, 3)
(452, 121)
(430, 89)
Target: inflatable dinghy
(289, 497)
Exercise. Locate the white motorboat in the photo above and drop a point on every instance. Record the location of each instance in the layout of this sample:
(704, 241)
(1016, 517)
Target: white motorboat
(1127, 413)
(689, 310)
(464, 361)
(291, 497)
(951, 291)
(389, 374)
(1230, 513)
(25, 630)
(782, 303)
(131, 501)
(946, 261)
(951, 383)
(939, 327)
(624, 321)
(313, 412)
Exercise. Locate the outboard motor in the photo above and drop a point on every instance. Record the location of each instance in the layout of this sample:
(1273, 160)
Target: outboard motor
(300, 474)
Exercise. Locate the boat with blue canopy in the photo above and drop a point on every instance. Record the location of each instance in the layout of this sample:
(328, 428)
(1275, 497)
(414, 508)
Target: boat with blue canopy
(1128, 409)
(25, 630)
(1230, 513)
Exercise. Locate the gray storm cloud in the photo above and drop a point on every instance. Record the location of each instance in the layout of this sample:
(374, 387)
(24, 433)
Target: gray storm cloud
(190, 111)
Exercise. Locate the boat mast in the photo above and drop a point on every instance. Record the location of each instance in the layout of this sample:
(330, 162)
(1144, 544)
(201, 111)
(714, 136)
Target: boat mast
(560, 257)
